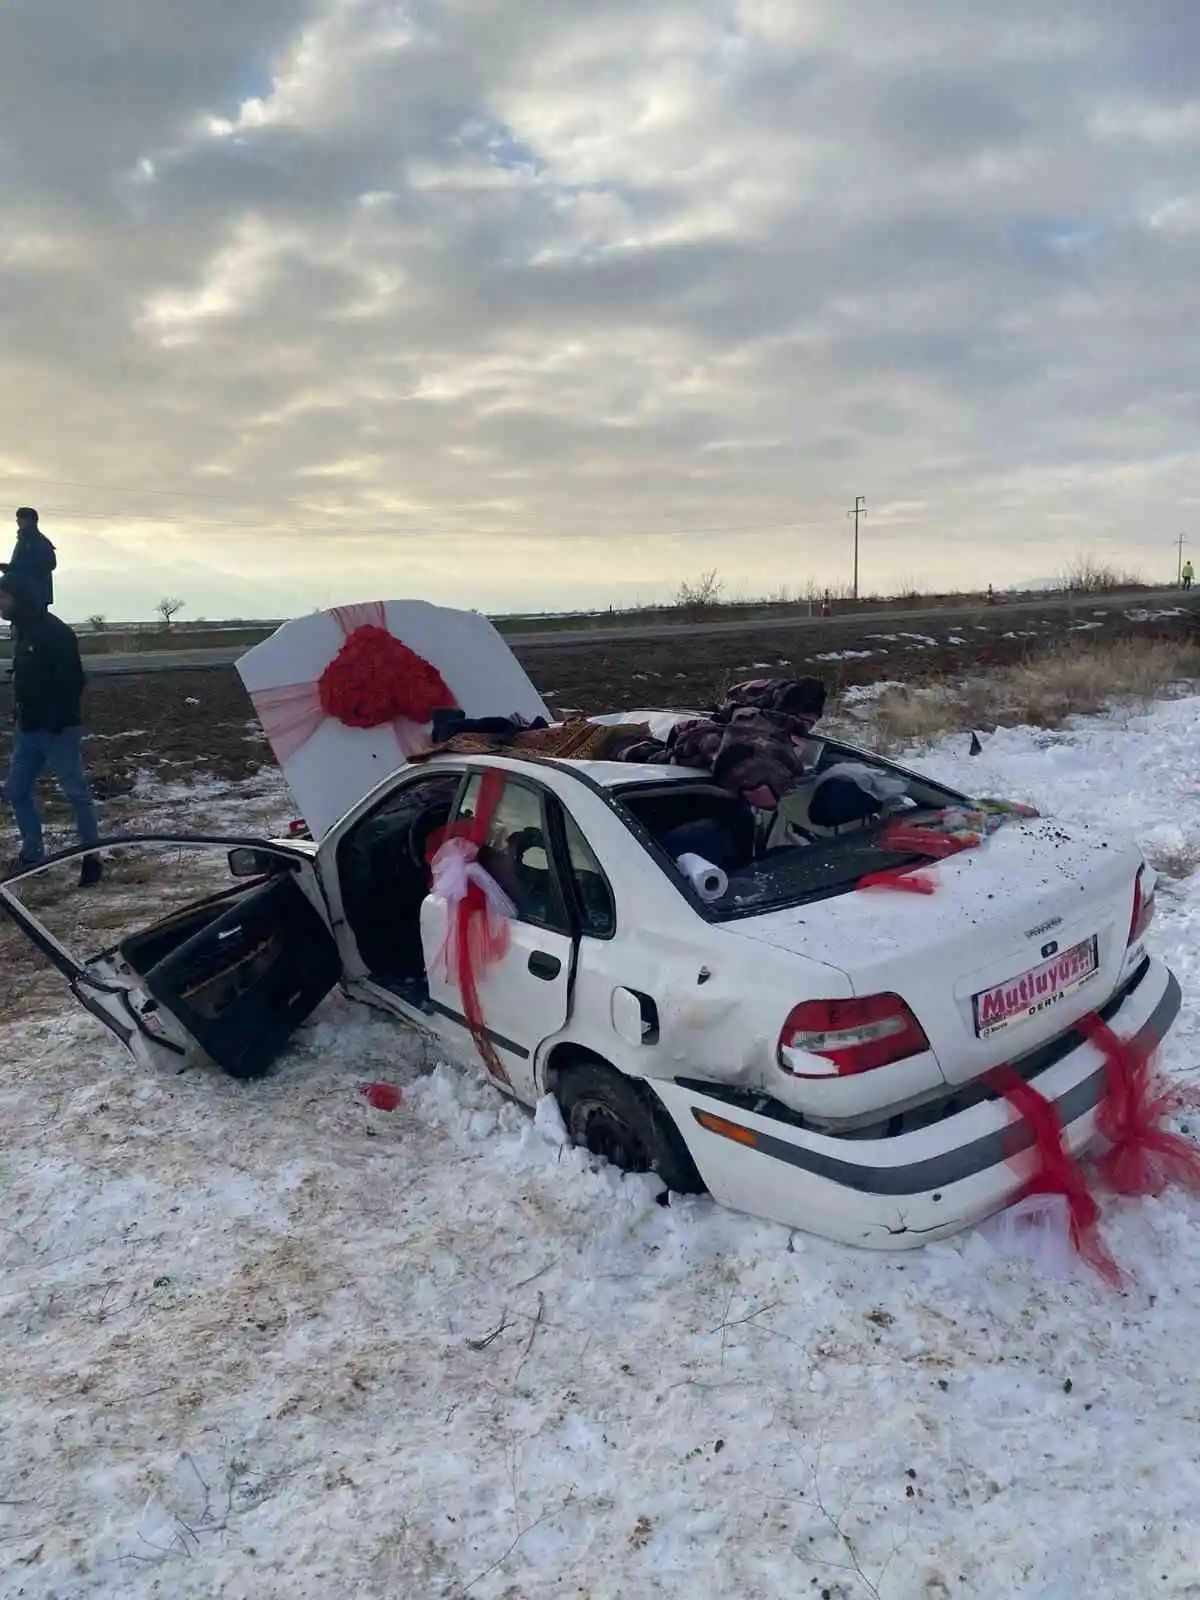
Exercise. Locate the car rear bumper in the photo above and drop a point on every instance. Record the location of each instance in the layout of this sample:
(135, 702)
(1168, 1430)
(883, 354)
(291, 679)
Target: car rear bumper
(923, 1183)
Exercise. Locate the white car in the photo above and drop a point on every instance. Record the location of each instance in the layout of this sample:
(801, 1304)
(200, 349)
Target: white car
(804, 1050)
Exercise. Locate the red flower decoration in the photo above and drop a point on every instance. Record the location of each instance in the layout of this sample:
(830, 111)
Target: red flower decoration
(375, 679)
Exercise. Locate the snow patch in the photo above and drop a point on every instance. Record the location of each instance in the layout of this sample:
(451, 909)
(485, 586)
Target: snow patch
(261, 1339)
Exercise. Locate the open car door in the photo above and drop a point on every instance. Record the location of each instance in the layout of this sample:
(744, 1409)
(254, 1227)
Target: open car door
(231, 975)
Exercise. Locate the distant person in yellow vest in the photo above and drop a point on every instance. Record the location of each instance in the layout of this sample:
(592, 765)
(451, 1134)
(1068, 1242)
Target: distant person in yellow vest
(1186, 575)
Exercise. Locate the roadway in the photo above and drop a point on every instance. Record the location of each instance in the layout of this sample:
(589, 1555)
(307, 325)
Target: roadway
(144, 662)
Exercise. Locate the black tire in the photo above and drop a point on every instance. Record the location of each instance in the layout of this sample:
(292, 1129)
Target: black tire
(623, 1121)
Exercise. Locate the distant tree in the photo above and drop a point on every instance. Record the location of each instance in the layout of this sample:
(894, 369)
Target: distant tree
(169, 608)
(97, 623)
(700, 594)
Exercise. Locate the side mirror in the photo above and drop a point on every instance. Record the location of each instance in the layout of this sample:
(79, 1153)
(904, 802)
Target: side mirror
(246, 862)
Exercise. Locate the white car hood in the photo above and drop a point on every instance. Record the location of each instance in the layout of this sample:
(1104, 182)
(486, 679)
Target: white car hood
(333, 768)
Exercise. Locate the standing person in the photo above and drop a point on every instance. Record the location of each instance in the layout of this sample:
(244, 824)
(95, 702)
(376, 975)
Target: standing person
(48, 682)
(1187, 575)
(33, 558)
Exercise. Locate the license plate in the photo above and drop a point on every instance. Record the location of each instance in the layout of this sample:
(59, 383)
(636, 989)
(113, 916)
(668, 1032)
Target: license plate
(1037, 990)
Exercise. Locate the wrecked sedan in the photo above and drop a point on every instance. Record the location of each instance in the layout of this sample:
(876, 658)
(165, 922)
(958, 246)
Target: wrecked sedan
(806, 1034)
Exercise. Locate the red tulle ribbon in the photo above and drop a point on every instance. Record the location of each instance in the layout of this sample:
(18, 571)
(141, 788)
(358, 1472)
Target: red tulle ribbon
(475, 936)
(1056, 1171)
(1143, 1157)
(906, 839)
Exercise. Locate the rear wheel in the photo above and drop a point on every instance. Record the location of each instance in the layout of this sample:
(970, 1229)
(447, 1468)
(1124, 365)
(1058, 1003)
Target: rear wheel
(623, 1121)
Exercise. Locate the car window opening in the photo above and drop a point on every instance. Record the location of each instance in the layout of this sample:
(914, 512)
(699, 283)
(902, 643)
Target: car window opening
(384, 873)
(384, 877)
(821, 841)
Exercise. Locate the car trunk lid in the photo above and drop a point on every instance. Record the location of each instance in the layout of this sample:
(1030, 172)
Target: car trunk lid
(1021, 937)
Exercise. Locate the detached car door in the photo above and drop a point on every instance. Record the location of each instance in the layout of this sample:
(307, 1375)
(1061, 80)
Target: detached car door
(233, 974)
(524, 995)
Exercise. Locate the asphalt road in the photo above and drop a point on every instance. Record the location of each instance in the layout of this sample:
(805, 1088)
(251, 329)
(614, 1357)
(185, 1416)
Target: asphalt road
(141, 663)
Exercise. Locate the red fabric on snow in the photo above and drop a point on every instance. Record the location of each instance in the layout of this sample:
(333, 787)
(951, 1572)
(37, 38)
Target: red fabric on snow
(1143, 1157)
(1056, 1171)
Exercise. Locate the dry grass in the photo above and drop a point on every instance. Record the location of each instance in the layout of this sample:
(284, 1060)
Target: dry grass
(1042, 692)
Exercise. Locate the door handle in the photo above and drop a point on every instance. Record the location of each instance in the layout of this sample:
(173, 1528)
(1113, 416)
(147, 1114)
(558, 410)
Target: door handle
(544, 966)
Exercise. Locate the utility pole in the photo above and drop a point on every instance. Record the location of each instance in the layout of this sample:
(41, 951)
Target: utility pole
(1181, 541)
(860, 510)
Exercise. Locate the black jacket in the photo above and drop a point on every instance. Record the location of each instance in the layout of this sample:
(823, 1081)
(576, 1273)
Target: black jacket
(33, 561)
(47, 674)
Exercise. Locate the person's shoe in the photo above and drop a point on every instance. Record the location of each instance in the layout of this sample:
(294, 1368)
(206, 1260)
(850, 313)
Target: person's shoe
(91, 872)
(16, 865)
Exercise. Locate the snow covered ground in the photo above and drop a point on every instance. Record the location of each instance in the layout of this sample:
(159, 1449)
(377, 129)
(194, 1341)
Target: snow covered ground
(263, 1342)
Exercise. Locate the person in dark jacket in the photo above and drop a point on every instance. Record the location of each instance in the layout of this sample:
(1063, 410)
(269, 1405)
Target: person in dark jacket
(33, 558)
(48, 680)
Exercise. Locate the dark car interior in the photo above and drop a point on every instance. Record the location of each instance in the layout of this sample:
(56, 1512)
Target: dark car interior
(384, 877)
(698, 819)
(819, 822)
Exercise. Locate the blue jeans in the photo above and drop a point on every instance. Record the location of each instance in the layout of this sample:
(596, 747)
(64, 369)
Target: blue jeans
(62, 753)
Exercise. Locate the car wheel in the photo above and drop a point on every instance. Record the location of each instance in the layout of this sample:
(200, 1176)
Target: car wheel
(623, 1121)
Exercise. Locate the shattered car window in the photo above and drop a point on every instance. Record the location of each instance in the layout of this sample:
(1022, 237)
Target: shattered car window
(803, 851)
(800, 873)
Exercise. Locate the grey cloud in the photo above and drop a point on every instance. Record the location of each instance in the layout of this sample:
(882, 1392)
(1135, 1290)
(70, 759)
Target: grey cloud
(516, 267)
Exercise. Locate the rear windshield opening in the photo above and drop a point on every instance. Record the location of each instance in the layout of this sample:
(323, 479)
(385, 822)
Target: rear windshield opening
(814, 846)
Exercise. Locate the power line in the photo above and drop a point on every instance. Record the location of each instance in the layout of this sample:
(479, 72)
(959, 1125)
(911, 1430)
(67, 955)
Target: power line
(179, 494)
(466, 506)
(421, 518)
(448, 506)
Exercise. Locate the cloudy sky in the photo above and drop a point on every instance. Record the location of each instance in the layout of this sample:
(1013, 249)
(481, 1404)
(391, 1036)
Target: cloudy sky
(534, 303)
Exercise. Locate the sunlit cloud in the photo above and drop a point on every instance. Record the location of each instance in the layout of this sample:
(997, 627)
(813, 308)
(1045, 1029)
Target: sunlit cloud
(546, 304)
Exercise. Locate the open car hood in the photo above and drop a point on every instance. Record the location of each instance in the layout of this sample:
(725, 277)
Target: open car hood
(329, 766)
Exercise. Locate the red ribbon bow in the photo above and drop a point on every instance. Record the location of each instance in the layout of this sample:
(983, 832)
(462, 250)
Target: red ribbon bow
(374, 680)
(1143, 1157)
(474, 937)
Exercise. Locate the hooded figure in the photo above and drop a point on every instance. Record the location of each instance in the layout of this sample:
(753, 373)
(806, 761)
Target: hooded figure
(48, 681)
(33, 557)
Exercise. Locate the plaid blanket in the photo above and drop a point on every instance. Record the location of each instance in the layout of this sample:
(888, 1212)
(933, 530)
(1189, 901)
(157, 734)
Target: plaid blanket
(755, 743)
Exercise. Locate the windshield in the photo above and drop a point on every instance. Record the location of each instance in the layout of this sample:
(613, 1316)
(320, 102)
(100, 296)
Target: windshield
(822, 840)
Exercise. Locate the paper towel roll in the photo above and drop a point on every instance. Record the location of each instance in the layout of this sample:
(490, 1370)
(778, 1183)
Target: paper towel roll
(709, 882)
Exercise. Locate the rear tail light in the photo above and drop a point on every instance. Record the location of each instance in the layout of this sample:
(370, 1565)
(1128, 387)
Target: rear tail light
(1143, 907)
(851, 1035)
(297, 828)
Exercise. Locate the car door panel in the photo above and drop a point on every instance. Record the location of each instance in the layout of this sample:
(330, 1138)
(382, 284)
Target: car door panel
(241, 985)
(232, 973)
(524, 994)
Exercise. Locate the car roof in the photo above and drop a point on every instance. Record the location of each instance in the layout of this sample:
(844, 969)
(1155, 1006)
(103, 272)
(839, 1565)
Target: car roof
(605, 774)
(624, 774)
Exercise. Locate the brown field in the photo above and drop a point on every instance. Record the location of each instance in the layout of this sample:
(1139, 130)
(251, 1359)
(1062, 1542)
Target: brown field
(176, 725)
